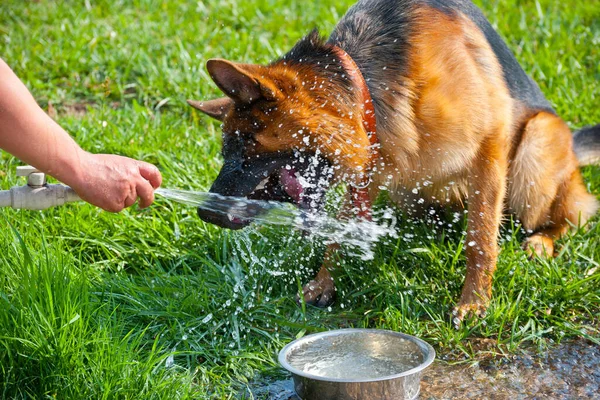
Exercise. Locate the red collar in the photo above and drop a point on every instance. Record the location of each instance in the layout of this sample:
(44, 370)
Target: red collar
(360, 195)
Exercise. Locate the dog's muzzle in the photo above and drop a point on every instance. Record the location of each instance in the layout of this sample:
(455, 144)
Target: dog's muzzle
(293, 177)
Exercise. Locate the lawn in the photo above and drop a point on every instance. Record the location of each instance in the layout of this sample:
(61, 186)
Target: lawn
(157, 304)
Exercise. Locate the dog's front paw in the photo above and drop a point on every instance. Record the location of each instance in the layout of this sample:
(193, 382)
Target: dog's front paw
(539, 245)
(318, 293)
(469, 306)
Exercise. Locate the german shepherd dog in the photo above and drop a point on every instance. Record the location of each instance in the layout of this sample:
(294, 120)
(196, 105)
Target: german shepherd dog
(421, 97)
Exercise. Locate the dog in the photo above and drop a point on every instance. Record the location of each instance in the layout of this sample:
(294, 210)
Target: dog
(422, 98)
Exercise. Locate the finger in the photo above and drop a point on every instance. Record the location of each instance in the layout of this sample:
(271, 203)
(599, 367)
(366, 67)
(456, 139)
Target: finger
(111, 206)
(131, 196)
(150, 173)
(145, 192)
(130, 200)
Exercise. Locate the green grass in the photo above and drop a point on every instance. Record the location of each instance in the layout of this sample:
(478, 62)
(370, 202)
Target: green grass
(157, 304)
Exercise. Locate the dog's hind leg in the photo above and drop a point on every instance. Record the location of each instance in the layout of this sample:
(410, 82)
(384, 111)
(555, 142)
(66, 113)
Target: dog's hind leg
(546, 190)
(573, 206)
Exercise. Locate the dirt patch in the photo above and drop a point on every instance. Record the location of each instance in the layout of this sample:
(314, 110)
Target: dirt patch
(571, 370)
(68, 110)
(77, 109)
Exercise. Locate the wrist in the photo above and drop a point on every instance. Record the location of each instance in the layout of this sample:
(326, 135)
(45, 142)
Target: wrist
(70, 166)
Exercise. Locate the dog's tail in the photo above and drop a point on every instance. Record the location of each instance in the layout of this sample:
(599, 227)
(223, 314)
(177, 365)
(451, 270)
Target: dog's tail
(587, 145)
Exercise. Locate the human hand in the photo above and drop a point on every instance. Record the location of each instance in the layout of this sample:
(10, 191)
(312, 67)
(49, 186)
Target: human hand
(114, 182)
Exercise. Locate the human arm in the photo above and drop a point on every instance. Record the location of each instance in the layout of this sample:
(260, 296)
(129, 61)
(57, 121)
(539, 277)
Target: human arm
(108, 181)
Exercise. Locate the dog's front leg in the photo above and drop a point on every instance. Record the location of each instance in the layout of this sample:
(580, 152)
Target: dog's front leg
(487, 185)
(320, 291)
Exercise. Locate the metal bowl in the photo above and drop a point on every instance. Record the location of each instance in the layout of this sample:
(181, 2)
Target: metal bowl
(357, 364)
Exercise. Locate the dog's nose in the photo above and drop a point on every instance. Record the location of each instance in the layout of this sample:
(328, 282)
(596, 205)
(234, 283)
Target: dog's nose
(222, 220)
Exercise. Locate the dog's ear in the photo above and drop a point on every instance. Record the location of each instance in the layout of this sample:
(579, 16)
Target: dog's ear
(237, 81)
(216, 108)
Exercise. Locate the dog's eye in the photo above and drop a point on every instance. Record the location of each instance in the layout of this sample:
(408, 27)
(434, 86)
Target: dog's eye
(270, 110)
(244, 135)
(248, 138)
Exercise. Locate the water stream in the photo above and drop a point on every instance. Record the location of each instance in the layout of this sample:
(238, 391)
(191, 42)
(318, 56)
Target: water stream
(358, 235)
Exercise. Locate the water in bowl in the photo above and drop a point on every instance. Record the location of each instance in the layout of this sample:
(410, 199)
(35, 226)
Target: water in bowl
(356, 356)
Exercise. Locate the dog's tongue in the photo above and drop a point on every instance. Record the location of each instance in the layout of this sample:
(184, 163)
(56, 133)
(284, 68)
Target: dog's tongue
(291, 184)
